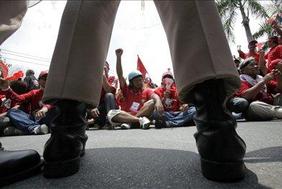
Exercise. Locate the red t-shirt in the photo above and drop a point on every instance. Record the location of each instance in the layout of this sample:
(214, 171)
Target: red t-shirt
(261, 96)
(170, 103)
(247, 55)
(273, 54)
(113, 90)
(33, 99)
(134, 100)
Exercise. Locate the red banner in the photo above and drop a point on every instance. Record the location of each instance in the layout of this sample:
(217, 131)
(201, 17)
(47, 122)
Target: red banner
(141, 68)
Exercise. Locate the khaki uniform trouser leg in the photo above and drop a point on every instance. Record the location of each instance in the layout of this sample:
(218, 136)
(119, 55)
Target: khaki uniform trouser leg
(198, 47)
(77, 65)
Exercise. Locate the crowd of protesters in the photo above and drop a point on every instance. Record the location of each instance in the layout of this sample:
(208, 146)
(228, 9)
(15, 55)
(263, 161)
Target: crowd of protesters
(132, 102)
(22, 110)
(259, 97)
(137, 102)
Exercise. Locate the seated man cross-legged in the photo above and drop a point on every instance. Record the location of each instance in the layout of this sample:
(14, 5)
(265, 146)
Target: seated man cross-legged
(138, 103)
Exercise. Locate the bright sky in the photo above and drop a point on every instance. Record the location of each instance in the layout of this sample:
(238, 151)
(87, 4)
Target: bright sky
(136, 31)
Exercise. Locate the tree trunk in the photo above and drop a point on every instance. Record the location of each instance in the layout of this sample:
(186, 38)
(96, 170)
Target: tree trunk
(245, 23)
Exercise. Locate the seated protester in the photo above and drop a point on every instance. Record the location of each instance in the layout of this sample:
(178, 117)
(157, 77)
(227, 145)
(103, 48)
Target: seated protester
(252, 51)
(276, 83)
(148, 83)
(107, 100)
(175, 114)
(275, 51)
(137, 104)
(5, 105)
(31, 118)
(18, 87)
(273, 57)
(30, 80)
(254, 89)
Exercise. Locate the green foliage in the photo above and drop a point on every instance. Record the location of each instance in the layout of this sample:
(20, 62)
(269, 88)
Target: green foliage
(228, 11)
(264, 29)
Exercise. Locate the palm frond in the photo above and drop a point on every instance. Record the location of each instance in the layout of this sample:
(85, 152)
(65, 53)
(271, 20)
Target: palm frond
(265, 29)
(224, 6)
(229, 22)
(257, 9)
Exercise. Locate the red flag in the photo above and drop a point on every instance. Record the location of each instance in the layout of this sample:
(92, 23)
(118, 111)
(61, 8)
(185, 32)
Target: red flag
(141, 68)
(15, 76)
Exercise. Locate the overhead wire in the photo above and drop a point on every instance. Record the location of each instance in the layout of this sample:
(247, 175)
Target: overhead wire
(26, 61)
(5, 51)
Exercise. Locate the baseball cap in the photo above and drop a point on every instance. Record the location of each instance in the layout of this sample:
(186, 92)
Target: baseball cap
(168, 73)
(246, 62)
(43, 74)
(134, 74)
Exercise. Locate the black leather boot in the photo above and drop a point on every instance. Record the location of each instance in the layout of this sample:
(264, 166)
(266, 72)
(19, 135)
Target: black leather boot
(221, 149)
(66, 144)
(18, 165)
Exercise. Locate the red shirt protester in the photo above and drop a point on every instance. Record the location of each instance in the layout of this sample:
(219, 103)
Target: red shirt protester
(255, 55)
(170, 102)
(134, 100)
(263, 95)
(111, 81)
(6, 103)
(273, 54)
(33, 99)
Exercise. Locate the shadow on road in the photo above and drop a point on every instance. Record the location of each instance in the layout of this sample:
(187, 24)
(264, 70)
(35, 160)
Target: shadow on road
(271, 154)
(137, 168)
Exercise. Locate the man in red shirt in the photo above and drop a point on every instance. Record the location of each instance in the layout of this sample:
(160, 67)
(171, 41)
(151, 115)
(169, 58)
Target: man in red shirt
(31, 116)
(138, 103)
(273, 57)
(275, 52)
(174, 114)
(167, 92)
(252, 51)
(254, 89)
(258, 56)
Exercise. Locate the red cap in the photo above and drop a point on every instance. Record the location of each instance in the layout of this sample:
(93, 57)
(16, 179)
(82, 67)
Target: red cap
(42, 74)
(167, 73)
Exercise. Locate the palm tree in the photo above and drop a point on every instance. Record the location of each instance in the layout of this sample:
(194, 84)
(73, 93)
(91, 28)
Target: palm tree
(272, 9)
(228, 12)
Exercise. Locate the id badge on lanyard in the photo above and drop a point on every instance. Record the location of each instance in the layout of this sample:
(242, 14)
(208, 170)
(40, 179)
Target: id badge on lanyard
(134, 107)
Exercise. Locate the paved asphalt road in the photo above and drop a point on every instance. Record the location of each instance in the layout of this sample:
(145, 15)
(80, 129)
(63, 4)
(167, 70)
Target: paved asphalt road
(165, 158)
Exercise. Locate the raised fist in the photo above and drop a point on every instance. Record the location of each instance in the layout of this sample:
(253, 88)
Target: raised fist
(119, 52)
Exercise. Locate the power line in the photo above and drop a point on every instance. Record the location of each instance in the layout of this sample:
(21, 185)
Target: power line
(27, 62)
(24, 55)
(5, 55)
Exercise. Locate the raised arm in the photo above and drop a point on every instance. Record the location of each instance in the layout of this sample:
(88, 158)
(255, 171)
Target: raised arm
(106, 86)
(252, 92)
(119, 70)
